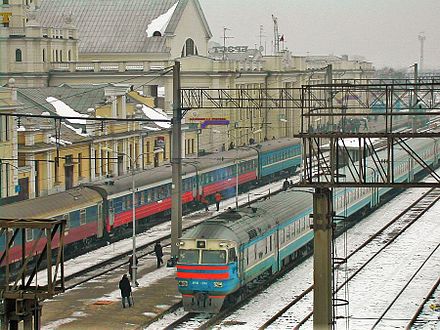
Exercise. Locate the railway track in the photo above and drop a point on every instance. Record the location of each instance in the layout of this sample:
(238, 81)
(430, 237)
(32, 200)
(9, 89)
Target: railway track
(383, 238)
(142, 250)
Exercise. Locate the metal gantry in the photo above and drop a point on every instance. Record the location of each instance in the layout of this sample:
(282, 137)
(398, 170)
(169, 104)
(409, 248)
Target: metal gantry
(351, 133)
(20, 291)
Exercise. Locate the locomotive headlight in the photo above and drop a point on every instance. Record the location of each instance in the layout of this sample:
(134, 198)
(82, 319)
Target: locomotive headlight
(218, 284)
(183, 283)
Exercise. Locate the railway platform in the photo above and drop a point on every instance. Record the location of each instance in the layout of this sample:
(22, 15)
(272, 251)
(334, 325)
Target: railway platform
(97, 304)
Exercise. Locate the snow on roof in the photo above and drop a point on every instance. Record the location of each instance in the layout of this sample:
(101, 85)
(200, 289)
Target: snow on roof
(21, 129)
(156, 114)
(354, 142)
(160, 23)
(148, 128)
(78, 131)
(64, 110)
(60, 141)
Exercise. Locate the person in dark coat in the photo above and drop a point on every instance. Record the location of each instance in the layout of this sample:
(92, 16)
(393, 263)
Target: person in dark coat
(286, 184)
(125, 287)
(204, 202)
(159, 253)
(130, 268)
(218, 198)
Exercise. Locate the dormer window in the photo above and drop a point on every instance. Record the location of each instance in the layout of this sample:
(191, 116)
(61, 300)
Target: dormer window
(157, 34)
(189, 48)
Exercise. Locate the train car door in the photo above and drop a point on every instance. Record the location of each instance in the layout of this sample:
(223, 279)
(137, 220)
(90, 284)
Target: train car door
(99, 219)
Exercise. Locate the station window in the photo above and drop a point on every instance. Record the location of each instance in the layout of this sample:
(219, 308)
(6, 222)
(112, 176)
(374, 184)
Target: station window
(18, 55)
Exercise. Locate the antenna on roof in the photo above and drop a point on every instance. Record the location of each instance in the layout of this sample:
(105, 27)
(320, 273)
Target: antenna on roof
(224, 41)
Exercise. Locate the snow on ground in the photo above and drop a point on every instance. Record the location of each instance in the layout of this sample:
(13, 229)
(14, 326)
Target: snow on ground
(257, 311)
(155, 233)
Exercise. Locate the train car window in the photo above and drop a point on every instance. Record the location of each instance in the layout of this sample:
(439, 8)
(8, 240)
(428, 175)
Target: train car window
(265, 245)
(213, 256)
(128, 199)
(189, 256)
(288, 232)
(283, 236)
(149, 195)
(160, 193)
(270, 243)
(29, 235)
(255, 251)
(82, 217)
(232, 256)
(247, 256)
(91, 214)
(66, 217)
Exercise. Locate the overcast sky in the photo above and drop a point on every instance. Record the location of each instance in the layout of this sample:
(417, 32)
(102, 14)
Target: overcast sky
(384, 31)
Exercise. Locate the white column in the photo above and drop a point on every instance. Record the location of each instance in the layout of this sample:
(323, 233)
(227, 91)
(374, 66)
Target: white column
(49, 172)
(141, 152)
(99, 162)
(114, 106)
(126, 162)
(32, 191)
(115, 162)
(92, 163)
(124, 108)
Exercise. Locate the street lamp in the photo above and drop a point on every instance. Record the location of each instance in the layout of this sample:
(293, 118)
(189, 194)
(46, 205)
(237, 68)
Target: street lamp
(133, 162)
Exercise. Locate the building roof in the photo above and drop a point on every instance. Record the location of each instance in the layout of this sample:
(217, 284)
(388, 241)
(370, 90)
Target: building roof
(79, 98)
(108, 26)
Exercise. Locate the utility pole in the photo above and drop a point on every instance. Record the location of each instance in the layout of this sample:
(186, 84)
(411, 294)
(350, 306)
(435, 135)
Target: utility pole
(322, 262)
(276, 36)
(422, 38)
(176, 163)
(260, 36)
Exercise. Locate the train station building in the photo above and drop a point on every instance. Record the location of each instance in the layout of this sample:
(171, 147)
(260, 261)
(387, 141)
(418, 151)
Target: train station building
(60, 43)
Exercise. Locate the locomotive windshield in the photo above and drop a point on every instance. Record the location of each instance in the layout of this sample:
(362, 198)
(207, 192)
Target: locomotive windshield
(213, 257)
(189, 256)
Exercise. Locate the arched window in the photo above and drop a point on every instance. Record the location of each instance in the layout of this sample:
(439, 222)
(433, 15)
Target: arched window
(18, 55)
(190, 48)
(157, 34)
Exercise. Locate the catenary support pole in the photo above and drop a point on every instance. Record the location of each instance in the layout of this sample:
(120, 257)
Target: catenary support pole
(322, 273)
(176, 150)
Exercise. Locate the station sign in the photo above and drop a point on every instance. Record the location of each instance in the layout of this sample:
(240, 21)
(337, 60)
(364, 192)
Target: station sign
(205, 118)
(230, 49)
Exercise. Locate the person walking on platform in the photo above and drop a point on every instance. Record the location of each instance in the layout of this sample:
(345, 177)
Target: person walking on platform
(218, 198)
(285, 184)
(130, 268)
(159, 253)
(125, 287)
(204, 202)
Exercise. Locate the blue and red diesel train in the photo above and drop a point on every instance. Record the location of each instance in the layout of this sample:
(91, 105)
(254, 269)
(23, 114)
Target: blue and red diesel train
(102, 211)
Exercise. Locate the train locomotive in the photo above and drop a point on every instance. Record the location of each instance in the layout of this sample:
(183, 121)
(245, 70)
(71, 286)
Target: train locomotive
(100, 212)
(221, 257)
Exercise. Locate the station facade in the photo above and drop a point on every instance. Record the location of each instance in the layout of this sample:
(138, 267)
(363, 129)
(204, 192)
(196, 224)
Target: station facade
(77, 43)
